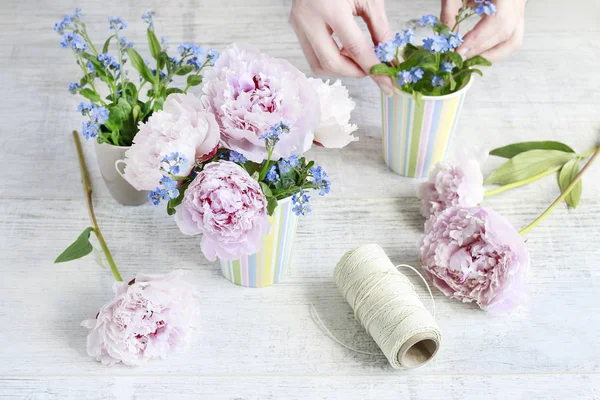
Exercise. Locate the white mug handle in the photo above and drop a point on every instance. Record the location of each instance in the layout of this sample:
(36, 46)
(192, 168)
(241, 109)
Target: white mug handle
(117, 167)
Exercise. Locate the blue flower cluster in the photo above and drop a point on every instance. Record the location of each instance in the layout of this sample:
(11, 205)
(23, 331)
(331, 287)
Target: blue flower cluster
(485, 7)
(442, 43)
(98, 115)
(69, 22)
(73, 41)
(116, 24)
(167, 192)
(272, 175)
(413, 75)
(271, 137)
(447, 66)
(437, 81)
(237, 157)
(148, 17)
(286, 165)
(301, 200)
(124, 43)
(321, 179)
(428, 20)
(198, 57)
(175, 161)
(74, 88)
(386, 51)
(109, 62)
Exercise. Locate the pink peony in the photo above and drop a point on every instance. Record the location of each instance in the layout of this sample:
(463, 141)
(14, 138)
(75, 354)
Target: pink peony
(474, 254)
(183, 126)
(335, 130)
(228, 207)
(451, 185)
(249, 92)
(147, 319)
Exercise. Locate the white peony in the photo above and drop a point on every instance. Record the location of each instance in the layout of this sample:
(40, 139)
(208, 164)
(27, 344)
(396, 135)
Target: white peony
(334, 129)
(184, 126)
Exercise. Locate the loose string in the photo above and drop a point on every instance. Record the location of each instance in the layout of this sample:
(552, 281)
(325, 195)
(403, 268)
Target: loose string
(386, 304)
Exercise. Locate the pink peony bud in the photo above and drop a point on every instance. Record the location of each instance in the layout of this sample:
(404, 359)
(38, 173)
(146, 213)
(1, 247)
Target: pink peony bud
(451, 185)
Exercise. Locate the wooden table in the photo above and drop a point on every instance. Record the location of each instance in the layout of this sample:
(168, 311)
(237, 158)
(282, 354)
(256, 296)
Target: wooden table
(263, 344)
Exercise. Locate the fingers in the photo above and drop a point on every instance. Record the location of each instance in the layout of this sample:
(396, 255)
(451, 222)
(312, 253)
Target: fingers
(358, 48)
(504, 49)
(376, 19)
(311, 57)
(487, 34)
(324, 48)
(450, 11)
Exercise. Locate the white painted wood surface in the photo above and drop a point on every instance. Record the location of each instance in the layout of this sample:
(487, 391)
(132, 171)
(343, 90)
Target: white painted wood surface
(262, 344)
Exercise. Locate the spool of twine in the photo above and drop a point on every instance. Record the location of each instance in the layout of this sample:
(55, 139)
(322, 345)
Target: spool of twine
(385, 303)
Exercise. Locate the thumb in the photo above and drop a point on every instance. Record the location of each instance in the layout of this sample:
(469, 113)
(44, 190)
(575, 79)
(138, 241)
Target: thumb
(449, 11)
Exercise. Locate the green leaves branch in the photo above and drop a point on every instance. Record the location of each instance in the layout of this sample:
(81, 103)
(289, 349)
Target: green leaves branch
(530, 161)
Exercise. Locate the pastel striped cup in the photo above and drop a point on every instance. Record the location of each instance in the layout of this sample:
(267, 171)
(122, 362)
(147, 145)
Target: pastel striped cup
(416, 134)
(272, 262)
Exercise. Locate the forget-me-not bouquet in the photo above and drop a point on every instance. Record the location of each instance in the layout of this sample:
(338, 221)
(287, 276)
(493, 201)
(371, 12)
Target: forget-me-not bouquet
(114, 117)
(225, 161)
(432, 81)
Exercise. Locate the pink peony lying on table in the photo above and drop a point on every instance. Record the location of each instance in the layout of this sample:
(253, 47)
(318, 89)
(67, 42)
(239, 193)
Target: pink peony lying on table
(147, 319)
(228, 207)
(183, 126)
(334, 130)
(249, 92)
(451, 185)
(474, 254)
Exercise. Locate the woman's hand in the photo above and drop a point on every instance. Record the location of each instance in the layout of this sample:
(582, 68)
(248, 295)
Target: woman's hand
(495, 36)
(314, 21)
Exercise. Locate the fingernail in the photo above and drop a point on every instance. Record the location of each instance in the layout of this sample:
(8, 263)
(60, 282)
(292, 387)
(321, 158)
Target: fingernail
(463, 52)
(396, 90)
(387, 89)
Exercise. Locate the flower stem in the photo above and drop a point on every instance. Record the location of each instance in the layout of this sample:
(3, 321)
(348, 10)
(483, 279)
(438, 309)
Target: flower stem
(522, 182)
(87, 187)
(564, 194)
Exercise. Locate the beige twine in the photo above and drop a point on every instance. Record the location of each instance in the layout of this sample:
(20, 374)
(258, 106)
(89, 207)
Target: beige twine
(385, 303)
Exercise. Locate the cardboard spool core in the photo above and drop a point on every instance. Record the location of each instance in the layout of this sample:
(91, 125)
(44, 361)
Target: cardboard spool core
(418, 351)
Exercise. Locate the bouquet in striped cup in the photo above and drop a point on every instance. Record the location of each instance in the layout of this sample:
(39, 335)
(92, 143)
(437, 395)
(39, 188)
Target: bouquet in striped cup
(433, 80)
(230, 164)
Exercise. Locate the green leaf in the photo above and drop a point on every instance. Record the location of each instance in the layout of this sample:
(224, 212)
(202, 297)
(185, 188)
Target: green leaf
(442, 28)
(173, 203)
(138, 63)
(516, 148)
(136, 111)
(477, 60)
(163, 59)
(184, 70)
(266, 190)
(527, 164)
(455, 58)
(383, 69)
(107, 44)
(452, 82)
(566, 176)
(409, 50)
(194, 80)
(271, 205)
(98, 257)
(81, 247)
(153, 44)
(90, 95)
(174, 90)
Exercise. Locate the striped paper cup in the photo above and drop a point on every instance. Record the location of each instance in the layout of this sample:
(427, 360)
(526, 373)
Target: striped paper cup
(416, 134)
(272, 262)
